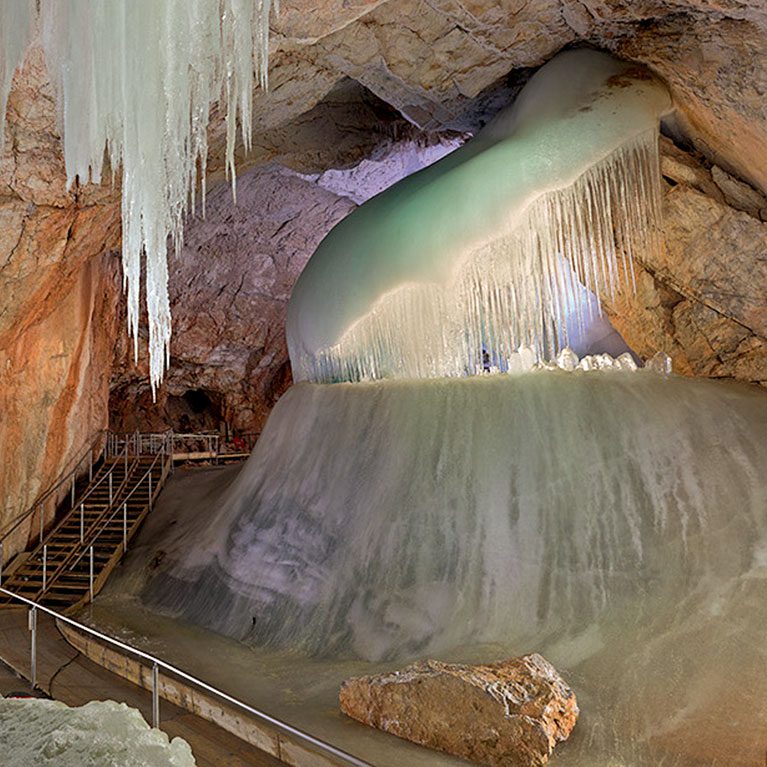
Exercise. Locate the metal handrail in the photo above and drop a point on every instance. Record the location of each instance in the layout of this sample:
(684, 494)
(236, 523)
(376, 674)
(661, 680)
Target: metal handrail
(81, 503)
(157, 663)
(50, 579)
(43, 497)
(123, 502)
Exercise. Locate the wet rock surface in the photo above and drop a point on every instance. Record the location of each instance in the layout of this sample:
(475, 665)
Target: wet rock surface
(507, 714)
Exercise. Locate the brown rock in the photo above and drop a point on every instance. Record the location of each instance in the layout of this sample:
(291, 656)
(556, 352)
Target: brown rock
(511, 713)
(58, 293)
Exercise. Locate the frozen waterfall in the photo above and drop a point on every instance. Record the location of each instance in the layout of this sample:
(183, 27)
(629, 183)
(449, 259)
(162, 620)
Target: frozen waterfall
(614, 521)
(398, 518)
(487, 250)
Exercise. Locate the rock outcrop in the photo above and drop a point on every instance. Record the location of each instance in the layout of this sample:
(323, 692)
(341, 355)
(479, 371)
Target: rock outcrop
(59, 291)
(509, 714)
(701, 299)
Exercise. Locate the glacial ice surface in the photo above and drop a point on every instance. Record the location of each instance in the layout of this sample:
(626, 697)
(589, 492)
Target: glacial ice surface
(488, 249)
(47, 733)
(615, 521)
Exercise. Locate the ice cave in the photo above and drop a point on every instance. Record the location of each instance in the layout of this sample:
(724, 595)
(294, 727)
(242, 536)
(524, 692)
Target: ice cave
(383, 383)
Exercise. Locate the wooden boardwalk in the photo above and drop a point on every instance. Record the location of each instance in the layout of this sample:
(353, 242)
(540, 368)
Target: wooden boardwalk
(65, 675)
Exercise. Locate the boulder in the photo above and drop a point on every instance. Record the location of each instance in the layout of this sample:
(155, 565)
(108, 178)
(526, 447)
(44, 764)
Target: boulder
(511, 713)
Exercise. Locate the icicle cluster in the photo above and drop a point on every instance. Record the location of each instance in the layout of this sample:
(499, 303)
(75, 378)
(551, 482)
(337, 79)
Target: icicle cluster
(518, 291)
(139, 78)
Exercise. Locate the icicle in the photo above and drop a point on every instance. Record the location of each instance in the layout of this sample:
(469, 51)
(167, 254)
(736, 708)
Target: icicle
(139, 78)
(517, 291)
(16, 25)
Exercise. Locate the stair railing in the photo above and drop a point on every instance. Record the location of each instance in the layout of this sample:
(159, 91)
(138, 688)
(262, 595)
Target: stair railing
(68, 478)
(115, 490)
(162, 448)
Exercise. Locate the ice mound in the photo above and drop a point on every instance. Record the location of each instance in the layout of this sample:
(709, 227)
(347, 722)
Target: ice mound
(100, 733)
(491, 248)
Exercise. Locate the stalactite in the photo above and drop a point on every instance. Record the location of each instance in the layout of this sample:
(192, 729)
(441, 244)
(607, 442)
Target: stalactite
(138, 79)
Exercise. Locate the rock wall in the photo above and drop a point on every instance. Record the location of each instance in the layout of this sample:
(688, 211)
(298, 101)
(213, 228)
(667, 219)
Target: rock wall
(58, 293)
(229, 293)
(702, 299)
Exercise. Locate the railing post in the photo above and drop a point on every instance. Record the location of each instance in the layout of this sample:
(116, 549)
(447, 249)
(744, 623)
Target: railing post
(110, 488)
(155, 697)
(45, 566)
(90, 465)
(90, 574)
(125, 527)
(126, 459)
(82, 522)
(42, 521)
(72, 504)
(33, 648)
(150, 489)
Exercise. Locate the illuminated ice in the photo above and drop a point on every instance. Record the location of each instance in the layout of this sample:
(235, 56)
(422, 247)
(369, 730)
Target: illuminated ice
(488, 249)
(136, 82)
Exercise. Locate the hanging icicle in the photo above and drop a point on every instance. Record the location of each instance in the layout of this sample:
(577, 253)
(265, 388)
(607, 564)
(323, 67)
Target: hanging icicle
(138, 79)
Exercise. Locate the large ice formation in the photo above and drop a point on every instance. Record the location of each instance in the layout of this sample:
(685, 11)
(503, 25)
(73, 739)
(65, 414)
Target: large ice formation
(138, 80)
(614, 521)
(399, 518)
(47, 733)
(487, 249)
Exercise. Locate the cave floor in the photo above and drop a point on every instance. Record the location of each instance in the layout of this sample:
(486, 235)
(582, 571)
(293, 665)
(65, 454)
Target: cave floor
(67, 676)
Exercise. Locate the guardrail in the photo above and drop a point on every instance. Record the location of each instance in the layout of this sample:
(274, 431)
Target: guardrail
(163, 455)
(157, 664)
(115, 446)
(68, 478)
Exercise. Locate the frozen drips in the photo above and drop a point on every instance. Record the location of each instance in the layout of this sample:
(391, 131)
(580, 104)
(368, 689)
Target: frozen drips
(491, 248)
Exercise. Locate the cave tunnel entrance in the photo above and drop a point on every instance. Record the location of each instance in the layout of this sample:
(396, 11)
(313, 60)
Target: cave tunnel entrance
(193, 411)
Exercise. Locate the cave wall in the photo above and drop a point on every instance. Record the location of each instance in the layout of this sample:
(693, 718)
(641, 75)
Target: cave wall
(703, 297)
(58, 297)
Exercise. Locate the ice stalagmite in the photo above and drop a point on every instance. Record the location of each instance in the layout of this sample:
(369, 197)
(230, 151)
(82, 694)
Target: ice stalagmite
(467, 257)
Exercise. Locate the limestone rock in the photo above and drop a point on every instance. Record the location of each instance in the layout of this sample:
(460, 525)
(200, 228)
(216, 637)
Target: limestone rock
(509, 714)
(701, 298)
(738, 194)
(59, 288)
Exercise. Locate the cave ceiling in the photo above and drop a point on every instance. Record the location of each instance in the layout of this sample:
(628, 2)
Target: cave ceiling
(442, 65)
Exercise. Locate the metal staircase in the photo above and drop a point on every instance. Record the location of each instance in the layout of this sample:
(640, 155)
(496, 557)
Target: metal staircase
(71, 562)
